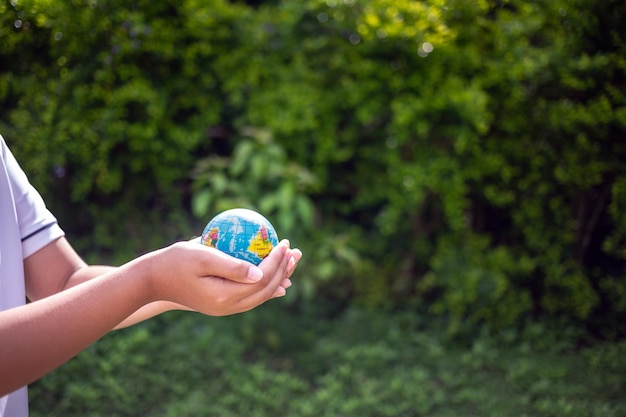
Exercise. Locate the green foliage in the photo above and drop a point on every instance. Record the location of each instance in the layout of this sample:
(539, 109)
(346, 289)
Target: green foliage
(257, 175)
(361, 363)
(463, 155)
(490, 289)
(463, 159)
(99, 114)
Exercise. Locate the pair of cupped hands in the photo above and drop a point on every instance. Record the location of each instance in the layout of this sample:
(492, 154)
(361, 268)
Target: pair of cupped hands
(214, 283)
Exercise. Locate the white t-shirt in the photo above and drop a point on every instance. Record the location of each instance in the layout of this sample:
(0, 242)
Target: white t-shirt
(26, 226)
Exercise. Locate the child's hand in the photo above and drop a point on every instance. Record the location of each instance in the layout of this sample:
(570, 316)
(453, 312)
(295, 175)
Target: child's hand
(211, 282)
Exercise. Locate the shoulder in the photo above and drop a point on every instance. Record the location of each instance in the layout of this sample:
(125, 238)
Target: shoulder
(37, 225)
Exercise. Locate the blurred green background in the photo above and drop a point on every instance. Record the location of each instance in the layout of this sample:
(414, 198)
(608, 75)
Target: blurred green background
(453, 171)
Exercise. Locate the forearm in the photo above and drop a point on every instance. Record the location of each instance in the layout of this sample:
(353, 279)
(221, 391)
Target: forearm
(88, 273)
(40, 336)
(148, 311)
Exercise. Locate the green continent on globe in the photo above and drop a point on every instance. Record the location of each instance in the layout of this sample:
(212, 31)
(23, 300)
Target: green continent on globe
(242, 233)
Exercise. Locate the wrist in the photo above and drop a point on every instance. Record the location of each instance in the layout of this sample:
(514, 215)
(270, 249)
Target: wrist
(141, 274)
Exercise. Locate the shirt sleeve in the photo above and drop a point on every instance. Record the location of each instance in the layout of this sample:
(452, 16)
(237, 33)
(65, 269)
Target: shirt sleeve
(37, 224)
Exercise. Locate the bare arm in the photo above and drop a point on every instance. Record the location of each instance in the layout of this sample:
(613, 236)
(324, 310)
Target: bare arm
(58, 267)
(40, 336)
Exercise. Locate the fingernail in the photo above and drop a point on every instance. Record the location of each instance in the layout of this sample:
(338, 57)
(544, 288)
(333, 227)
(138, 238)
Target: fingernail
(280, 292)
(254, 274)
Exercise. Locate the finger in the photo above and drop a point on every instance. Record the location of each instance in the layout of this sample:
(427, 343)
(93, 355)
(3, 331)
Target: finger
(274, 268)
(214, 262)
(280, 292)
(279, 277)
(296, 255)
(274, 259)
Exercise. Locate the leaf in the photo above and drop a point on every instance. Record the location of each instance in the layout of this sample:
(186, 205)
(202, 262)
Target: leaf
(201, 203)
(241, 157)
(305, 210)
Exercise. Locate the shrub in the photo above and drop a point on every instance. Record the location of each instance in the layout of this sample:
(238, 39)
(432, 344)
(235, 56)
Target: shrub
(460, 155)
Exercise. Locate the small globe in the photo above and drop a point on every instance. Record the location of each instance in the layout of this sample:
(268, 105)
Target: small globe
(242, 233)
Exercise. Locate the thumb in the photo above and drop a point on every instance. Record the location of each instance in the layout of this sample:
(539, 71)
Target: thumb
(205, 261)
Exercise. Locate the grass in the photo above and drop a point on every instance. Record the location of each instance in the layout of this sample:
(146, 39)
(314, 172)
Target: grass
(275, 361)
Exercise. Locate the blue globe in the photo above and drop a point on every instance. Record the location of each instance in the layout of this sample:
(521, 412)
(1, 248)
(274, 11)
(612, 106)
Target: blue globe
(242, 233)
